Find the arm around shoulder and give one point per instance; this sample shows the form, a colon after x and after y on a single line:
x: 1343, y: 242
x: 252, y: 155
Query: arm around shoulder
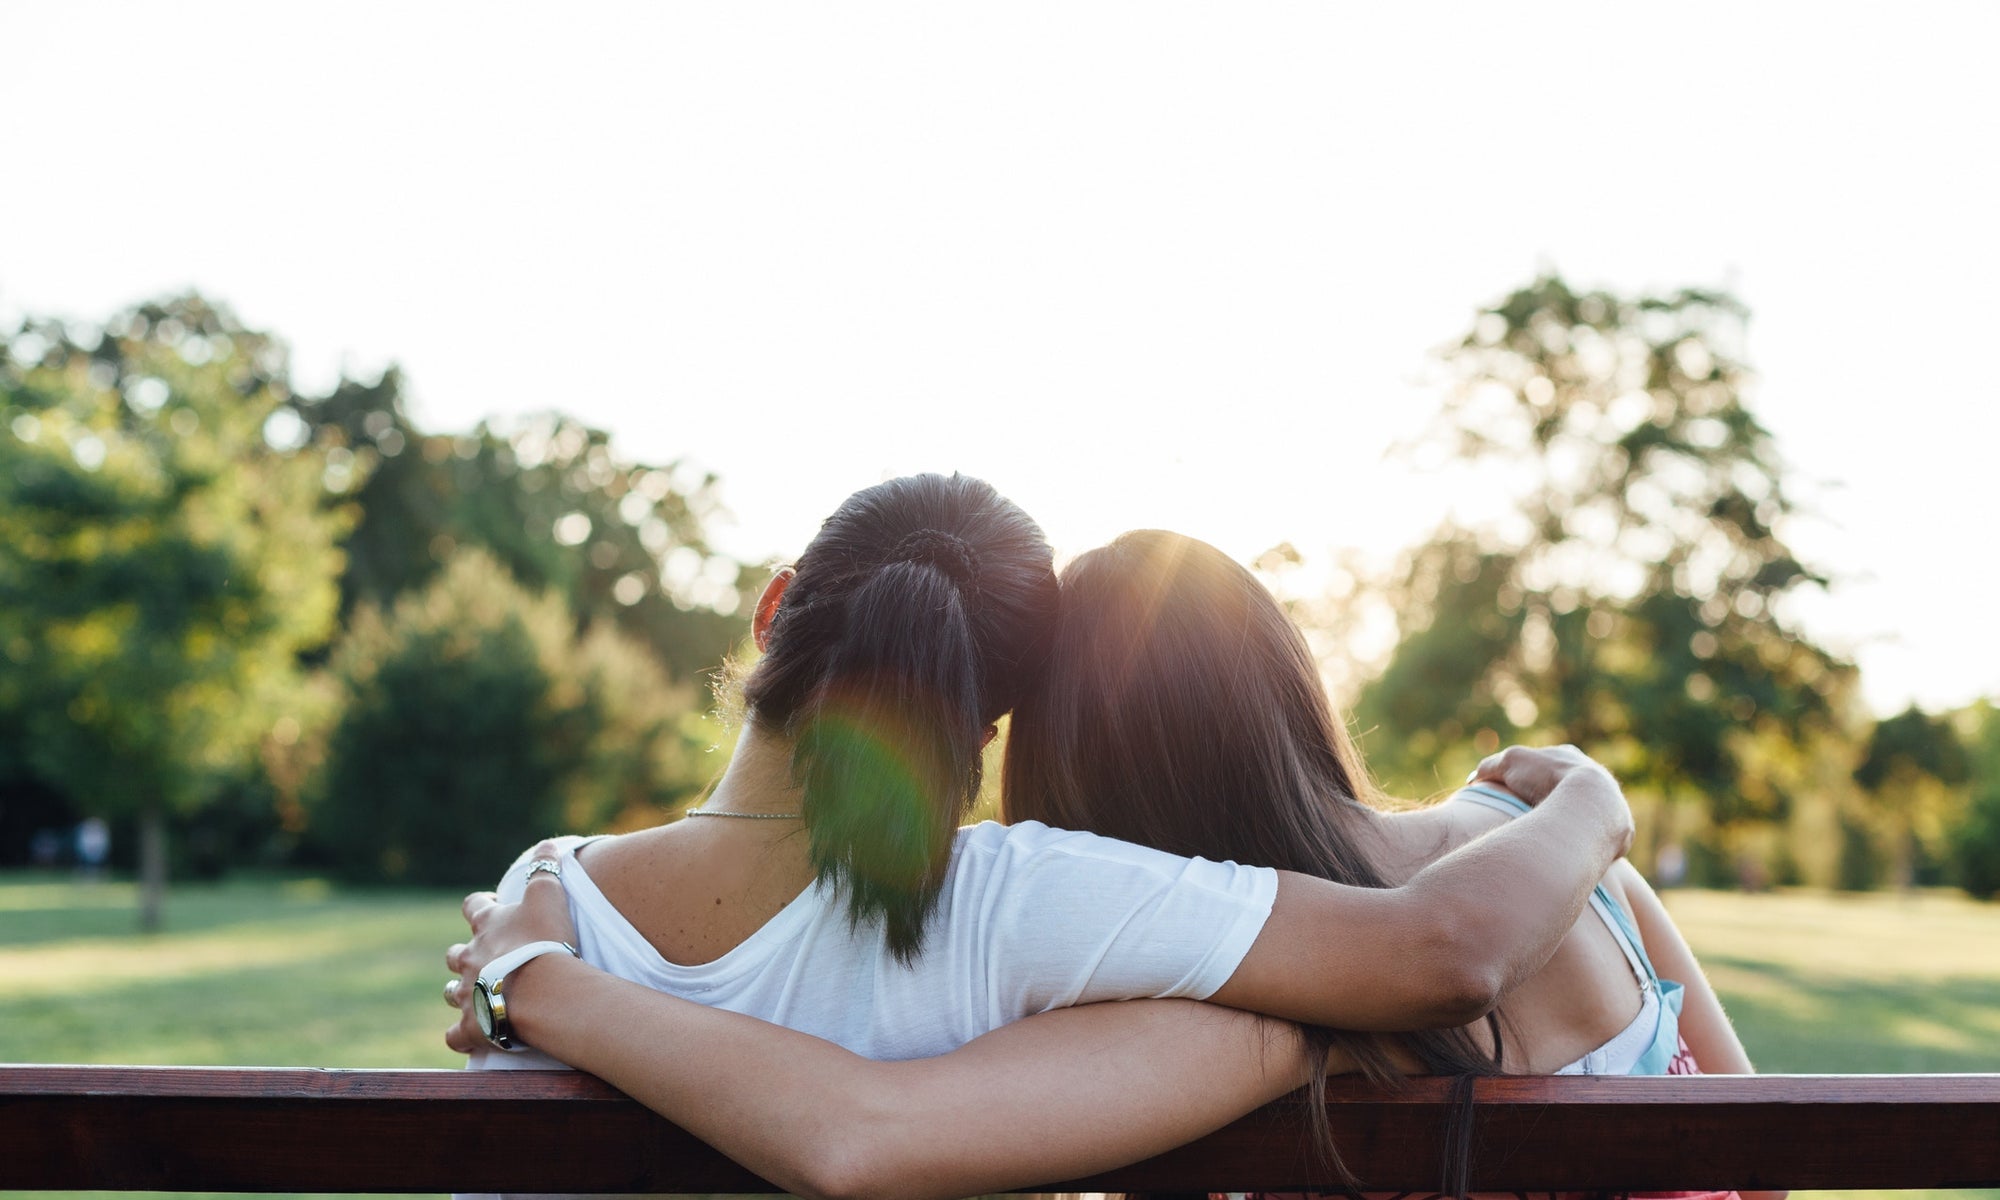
x: 1443, y: 948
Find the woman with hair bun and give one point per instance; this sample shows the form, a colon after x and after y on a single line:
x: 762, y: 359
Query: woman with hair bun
x: 824, y: 885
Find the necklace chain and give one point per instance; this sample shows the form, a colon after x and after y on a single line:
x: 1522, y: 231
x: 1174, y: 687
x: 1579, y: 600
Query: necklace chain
x: 744, y: 816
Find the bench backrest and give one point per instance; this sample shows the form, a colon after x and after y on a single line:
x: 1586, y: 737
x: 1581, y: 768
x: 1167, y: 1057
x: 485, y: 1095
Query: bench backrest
x: 269, y: 1129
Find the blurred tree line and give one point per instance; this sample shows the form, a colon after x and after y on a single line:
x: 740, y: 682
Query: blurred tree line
x: 1629, y: 595
x: 253, y: 627
x: 297, y: 629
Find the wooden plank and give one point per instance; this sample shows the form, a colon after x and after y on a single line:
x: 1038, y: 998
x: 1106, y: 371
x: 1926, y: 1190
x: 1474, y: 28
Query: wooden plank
x: 235, y: 1129
x: 1623, y: 1133
x: 252, y: 1129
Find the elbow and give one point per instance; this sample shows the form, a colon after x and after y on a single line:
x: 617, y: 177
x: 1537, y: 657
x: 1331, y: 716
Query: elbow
x: 1467, y: 977
x: 1456, y: 994
x: 1470, y: 993
x: 832, y: 1175
x: 851, y: 1164
x: 844, y: 1174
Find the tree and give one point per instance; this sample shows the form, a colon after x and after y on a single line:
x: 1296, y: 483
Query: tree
x: 620, y: 541
x: 1912, y: 769
x: 1631, y: 599
x: 1975, y: 836
x: 162, y: 564
x: 474, y: 720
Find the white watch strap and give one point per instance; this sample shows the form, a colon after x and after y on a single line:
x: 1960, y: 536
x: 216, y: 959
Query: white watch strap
x: 498, y: 970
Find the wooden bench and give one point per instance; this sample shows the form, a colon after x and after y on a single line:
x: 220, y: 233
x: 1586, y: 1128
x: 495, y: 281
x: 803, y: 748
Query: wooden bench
x: 269, y: 1129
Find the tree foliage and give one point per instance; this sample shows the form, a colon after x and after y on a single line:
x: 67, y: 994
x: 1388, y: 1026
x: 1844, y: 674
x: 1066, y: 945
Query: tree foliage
x: 1974, y: 836
x: 618, y: 540
x: 1631, y: 597
x: 1911, y: 745
x: 172, y: 521
x: 162, y: 564
x: 1911, y: 774
x: 474, y: 720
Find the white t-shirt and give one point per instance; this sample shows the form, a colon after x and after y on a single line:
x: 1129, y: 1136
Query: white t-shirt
x: 1030, y: 918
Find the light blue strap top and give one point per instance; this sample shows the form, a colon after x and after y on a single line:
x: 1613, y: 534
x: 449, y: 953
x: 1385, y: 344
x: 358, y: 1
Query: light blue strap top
x: 1658, y: 1045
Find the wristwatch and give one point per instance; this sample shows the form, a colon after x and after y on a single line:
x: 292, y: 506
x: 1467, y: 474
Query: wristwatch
x: 489, y: 1006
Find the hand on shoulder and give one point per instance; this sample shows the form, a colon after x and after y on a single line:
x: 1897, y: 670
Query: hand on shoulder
x: 540, y: 914
x: 1534, y: 775
x: 1530, y: 773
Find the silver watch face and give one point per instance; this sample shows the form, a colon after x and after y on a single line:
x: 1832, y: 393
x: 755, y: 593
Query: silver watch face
x: 482, y: 1008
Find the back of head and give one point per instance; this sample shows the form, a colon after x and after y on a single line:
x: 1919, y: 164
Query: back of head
x: 1184, y: 711
x: 917, y: 617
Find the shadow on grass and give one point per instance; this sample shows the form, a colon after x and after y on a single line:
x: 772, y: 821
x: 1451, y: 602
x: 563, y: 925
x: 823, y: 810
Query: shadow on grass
x: 1799, y: 1021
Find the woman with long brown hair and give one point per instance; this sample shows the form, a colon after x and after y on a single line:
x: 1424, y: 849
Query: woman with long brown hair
x: 1186, y: 713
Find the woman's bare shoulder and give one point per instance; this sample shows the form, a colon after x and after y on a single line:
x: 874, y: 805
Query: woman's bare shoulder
x: 1414, y: 837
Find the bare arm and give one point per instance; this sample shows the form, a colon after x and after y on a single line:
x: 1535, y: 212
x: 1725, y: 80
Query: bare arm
x: 1706, y: 1027
x: 1054, y: 1096
x: 1442, y: 949
x: 1717, y: 1049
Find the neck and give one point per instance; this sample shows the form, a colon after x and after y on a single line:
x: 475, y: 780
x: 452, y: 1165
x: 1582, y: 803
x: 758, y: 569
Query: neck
x: 759, y: 776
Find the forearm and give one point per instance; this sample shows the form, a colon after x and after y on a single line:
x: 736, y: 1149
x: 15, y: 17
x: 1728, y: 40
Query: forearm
x: 1440, y: 950
x: 1506, y: 901
x: 1056, y: 1096
x: 751, y: 1089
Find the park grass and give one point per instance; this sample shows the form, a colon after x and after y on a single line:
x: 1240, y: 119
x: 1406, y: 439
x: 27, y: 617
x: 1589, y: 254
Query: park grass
x: 293, y: 972
x: 275, y: 973
x: 1820, y: 983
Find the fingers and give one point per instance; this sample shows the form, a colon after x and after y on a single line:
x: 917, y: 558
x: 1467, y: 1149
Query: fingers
x: 1516, y: 758
x: 1529, y: 773
x: 476, y: 906
x: 1493, y: 766
x: 480, y: 909
x: 545, y: 863
x: 463, y: 1039
x: 498, y: 927
x: 463, y: 1034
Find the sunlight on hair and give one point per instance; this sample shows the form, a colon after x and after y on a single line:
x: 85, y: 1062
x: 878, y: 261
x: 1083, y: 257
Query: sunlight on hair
x: 1162, y: 558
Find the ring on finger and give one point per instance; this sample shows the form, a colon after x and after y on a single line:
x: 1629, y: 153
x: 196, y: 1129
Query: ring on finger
x: 545, y: 866
x: 451, y: 990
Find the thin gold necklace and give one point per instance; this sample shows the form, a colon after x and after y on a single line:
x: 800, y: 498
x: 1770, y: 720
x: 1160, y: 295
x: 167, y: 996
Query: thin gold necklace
x: 743, y: 816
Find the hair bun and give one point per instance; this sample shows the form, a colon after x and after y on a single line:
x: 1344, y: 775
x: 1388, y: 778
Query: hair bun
x: 945, y: 551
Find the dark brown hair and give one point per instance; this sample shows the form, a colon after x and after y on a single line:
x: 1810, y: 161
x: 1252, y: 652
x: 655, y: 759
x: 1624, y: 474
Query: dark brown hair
x: 1183, y: 710
x: 917, y: 617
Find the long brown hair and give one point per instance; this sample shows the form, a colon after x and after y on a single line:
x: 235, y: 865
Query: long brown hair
x: 1181, y: 709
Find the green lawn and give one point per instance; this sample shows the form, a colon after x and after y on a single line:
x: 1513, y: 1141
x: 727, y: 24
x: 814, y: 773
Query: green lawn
x: 1821, y: 983
x: 294, y: 973
x: 274, y: 973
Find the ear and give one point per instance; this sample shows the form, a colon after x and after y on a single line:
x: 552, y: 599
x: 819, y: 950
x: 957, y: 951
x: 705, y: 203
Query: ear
x: 992, y: 731
x: 767, y: 607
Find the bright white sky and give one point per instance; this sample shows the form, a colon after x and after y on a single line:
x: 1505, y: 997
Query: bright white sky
x: 1137, y: 264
